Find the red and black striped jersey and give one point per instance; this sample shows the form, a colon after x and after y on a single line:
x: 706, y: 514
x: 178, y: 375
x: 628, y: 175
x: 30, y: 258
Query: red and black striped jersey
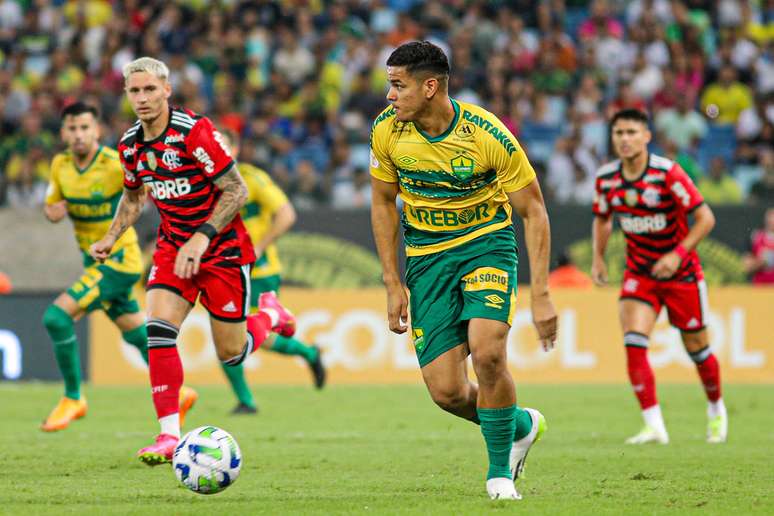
x: 652, y: 212
x: 180, y: 168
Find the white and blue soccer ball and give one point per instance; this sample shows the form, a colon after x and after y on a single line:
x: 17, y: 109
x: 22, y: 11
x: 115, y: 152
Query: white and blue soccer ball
x: 207, y: 460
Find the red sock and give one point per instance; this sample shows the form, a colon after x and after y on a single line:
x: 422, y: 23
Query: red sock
x: 166, y: 375
x: 259, y: 326
x: 709, y: 372
x: 641, y: 376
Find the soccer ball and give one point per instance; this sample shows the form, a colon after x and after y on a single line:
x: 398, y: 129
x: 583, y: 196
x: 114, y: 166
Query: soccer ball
x: 207, y: 460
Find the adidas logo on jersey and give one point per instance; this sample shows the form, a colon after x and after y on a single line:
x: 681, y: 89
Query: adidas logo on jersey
x: 229, y: 307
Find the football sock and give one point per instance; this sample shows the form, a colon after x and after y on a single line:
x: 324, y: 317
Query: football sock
x: 716, y: 408
x: 138, y: 337
x: 523, y: 424
x: 259, y: 327
x: 170, y: 425
x: 709, y: 372
x: 498, y: 425
x: 291, y: 346
x: 166, y: 373
x: 59, y: 326
x: 236, y: 377
x: 640, y: 374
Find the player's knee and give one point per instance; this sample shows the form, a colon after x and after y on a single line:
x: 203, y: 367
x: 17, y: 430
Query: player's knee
x: 55, y: 319
x: 449, y: 397
x: 489, y: 362
x: 228, y: 350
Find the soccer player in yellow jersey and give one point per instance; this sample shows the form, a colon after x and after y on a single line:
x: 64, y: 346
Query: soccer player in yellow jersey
x: 267, y: 215
x: 460, y: 173
x: 86, y: 184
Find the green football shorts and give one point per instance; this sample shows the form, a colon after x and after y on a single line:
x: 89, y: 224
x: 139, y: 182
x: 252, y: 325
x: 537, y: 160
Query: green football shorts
x: 476, y: 279
x: 260, y: 285
x: 103, y: 288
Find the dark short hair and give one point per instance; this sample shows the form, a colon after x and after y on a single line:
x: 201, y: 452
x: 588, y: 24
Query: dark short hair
x: 79, y: 108
x: 630, y: 114
x: 420, y: 56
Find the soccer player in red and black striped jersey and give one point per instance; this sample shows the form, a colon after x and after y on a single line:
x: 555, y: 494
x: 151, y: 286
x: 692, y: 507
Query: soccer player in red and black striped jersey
x: 202, y: 247
x: 653, y: 198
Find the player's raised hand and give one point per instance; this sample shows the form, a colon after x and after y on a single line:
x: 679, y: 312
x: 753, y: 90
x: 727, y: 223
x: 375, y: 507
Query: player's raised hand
x: 544, y: 319
x: 599, y: 272
x: 397, y: 308
x: 667, y: 265
x: 100, y: 250
x: 189, y: 256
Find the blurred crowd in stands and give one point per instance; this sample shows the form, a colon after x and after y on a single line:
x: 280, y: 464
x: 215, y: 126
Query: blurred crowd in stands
x: 301, y: 81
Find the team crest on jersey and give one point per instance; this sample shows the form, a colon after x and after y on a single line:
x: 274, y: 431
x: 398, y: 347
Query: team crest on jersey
x: 151, y: 159
x: 631, y: 198
x: 651, y: 197
x: 462, y: 166
x: 465, y: 130
x: 97, y: 190
x: 171, y: 159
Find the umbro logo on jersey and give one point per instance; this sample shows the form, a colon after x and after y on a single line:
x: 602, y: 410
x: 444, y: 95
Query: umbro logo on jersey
x: 174, y: 138
x: 229, y: 307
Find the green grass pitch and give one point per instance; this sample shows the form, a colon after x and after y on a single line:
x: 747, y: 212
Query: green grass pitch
x: 388, y: 450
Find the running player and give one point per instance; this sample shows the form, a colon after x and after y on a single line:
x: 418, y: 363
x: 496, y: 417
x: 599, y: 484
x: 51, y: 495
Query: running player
x: 267, y: 215
x: 85, y: 184
x: 202, y: 246
x: 653, y: 197
x: 460, y: 173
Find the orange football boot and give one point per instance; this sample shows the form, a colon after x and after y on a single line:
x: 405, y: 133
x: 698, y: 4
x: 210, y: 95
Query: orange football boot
x: 66, y: 411
x: 188, y: 398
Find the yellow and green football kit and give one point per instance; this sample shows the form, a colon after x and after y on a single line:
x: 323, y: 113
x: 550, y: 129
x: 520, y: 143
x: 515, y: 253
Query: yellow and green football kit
x: 460, y: 246
x: 264, y: 198
x: 92, y: 196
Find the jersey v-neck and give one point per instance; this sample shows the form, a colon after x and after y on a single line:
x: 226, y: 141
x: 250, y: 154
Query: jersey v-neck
x: 448, y: 130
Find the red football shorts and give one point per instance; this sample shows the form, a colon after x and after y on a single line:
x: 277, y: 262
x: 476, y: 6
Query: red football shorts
x: 225, y: 291
x: 685, y: 301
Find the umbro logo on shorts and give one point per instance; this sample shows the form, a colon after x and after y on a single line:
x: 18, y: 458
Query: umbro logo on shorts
x: 229, y: 307
x: 495, y: 301
x: 693, y: 323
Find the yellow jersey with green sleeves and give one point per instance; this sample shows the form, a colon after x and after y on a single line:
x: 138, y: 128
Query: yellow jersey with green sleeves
x: 92, y: 196
x: 453, y: 186
x: 264, y: 198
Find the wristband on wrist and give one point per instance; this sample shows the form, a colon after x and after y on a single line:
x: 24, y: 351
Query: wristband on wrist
x: 208, y: 230
x: 680, y: 251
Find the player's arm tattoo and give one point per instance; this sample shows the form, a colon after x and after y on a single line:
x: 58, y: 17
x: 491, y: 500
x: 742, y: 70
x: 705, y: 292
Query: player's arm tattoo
x: 233, y: 196
x: 128, y: 211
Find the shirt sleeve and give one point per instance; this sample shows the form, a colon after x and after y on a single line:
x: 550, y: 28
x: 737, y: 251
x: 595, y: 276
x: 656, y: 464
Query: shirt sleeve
x: 54, y: 190
x: 208, y: 148
x: 509, y: 161
x: 382, y: 167
x: 273, y: 197
x: 128, y: 159
x: 683, y: 189
x: 600, y: 206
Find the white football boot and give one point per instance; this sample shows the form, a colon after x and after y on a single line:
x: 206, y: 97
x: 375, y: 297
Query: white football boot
x: 649, y: 435
x: 521, y: 447
x: 501, y: 488
x: 717, y: 429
